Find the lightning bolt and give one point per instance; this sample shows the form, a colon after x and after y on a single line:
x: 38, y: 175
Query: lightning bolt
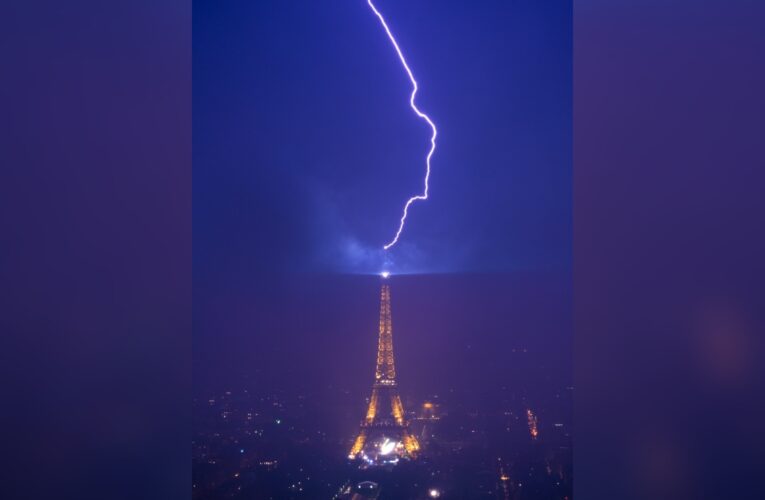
x: 424, y: 195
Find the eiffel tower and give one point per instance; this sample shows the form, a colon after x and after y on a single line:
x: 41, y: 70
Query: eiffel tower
x: 384, y: 437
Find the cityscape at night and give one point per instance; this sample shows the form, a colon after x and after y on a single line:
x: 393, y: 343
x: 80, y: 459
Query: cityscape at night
x: 382, y: 251
x: 508, y: 438
x: 272, y: 446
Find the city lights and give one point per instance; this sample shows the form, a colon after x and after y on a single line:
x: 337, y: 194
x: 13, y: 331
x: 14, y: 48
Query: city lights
x: 387, y: 446
x: 532, y: 421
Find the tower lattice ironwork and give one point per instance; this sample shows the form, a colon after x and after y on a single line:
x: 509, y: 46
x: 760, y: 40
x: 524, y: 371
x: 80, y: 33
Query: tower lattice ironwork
x: 384, y: 436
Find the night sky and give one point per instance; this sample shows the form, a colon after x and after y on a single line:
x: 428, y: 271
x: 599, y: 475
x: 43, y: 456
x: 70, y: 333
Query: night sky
x: 305, y: 150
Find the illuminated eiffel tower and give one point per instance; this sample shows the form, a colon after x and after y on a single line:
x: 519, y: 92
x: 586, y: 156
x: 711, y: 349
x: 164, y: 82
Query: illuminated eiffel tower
x: 384, y: 437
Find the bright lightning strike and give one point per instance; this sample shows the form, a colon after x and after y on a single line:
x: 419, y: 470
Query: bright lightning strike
x: 424, y: 195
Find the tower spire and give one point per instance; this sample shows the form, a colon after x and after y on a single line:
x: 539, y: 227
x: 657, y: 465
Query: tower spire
x: 386, y: 367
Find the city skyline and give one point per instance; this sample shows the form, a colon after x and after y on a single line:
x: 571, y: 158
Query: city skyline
x: 196, y: 196
x: 305, y: 148
x: 500, y: 425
